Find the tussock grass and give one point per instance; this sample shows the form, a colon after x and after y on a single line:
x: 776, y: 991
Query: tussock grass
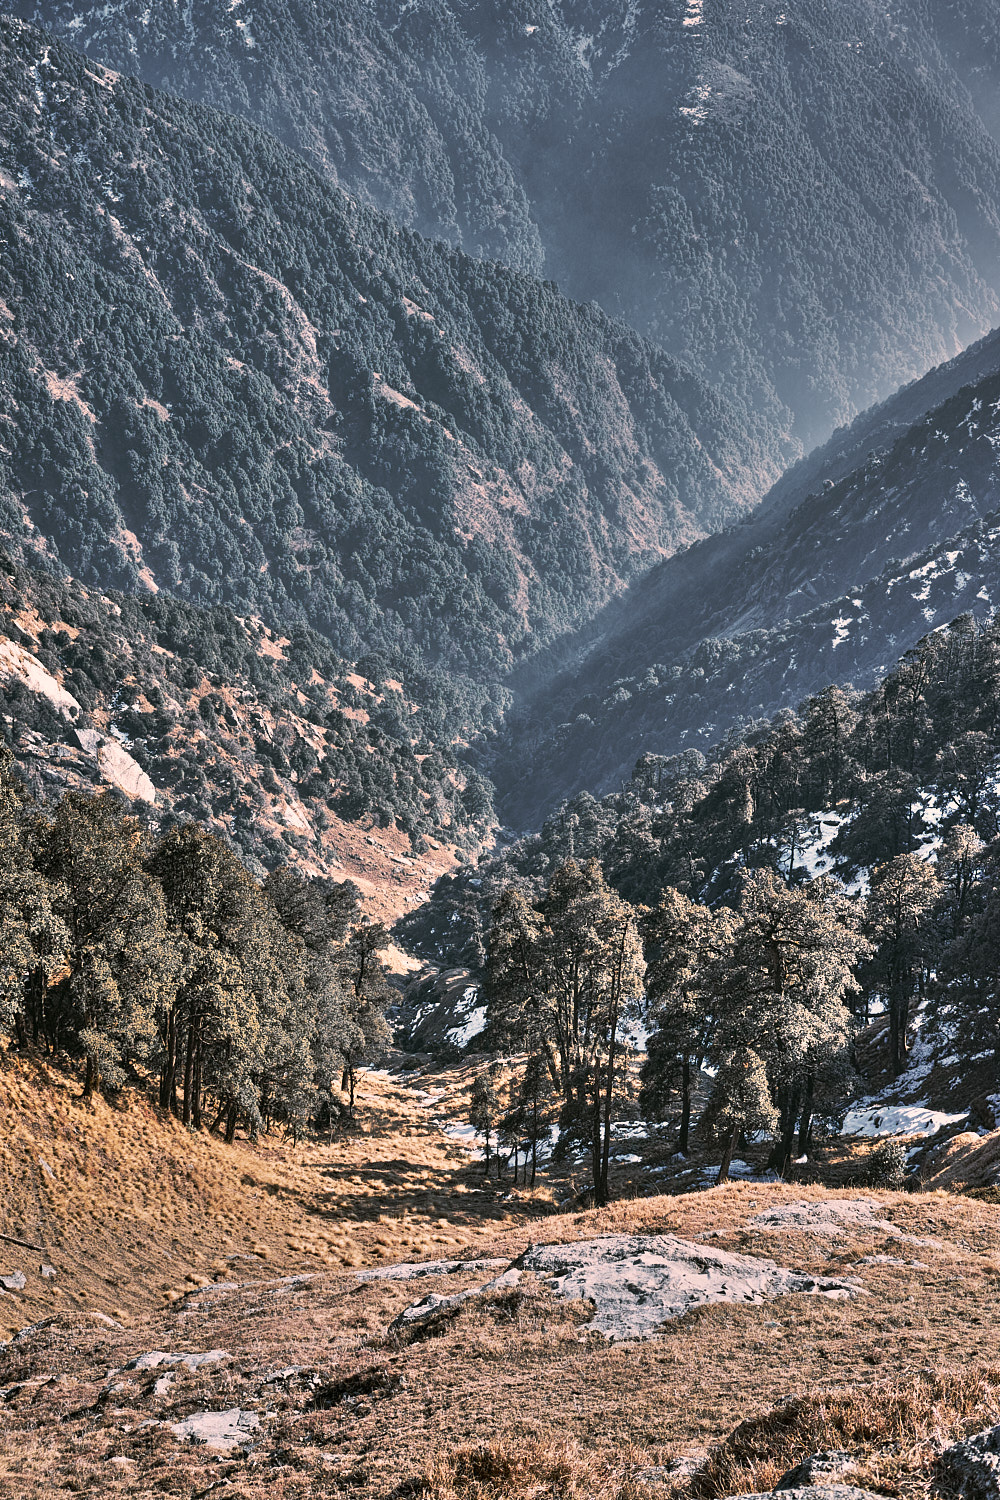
x: 515, y: 1468
x: 896, y: 1428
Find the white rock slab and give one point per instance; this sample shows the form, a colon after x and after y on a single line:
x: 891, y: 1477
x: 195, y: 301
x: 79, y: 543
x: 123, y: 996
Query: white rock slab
x: 833, y: 1217
x: 18, y: 665
x: 412, y: 1270
x: 156, y: 1359
x: 638, y: 1282
x: 116, y: 765
x: 224, y: 1430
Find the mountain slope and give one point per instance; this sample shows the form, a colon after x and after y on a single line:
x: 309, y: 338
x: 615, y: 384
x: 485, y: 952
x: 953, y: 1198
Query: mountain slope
x: 834, y: 576
x: 801, y: 204
x: 224, y: 378
x: 276, y: 744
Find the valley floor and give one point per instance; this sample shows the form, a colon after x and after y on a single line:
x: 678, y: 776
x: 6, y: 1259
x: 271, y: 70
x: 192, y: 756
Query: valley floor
x: 252, y: 1255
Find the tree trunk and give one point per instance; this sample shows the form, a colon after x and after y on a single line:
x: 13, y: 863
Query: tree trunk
x: 188, y: 1073
x: 686, y: 1090
x: 727, y: 1157
x: 231, y: 1118
x: 534, y: 1137
x: 196, y: 1103
x: 90, y: 1079
x: 805, y: 1124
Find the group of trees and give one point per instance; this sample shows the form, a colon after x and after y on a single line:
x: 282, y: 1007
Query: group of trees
x: 762, y: 995
x: 141, y: 957
x: 836, y: 867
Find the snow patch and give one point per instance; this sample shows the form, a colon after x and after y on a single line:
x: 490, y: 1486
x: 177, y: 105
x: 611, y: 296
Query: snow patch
x: 898, y: 1119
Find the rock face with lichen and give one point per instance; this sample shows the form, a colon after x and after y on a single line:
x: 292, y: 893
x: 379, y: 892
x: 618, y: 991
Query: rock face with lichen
x: 971, y: 1468
x: 638, y: 1282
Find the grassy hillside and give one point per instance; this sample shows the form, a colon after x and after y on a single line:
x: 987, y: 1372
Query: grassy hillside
x: 501, y: 1395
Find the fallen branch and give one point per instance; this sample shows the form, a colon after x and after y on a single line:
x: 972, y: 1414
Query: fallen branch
x: 25, y: 1244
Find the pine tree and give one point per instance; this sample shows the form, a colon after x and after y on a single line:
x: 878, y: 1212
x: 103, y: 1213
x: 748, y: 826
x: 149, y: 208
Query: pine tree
x: 678, y: 939
x: 780, y: 991
x: 485, y: 1107
x: 740, y: 1104
x: 902, y: 893
x: 121, y: 959
x: 574, y: 966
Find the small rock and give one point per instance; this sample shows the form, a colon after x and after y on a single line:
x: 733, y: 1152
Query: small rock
x: 157, y: 1357
x: 162, y: 1386
x: 225, y: 1430
x: 813, y: 1492
x: 47, y: 1272
x: 972, y: 1467
x: 14, y: 1281
x: 121, y: 1461
x: 818, y: 1467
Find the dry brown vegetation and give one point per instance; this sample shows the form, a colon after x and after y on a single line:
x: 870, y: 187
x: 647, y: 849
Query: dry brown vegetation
x: 507, y: 1397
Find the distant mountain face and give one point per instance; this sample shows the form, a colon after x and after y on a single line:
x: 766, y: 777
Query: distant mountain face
x: 889, y: 532
x: 281, y: 748
x: 223, y: 378
x: 800, y: 202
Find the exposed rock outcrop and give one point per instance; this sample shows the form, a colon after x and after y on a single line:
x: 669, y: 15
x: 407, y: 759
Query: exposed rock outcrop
x: 972, y: 1467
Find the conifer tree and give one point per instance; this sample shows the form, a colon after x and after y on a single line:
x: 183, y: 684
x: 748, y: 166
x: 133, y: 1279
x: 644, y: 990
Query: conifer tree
x: 121, y: 959
x: 902, y: 894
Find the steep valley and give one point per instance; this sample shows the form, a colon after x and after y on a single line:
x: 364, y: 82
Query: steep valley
x: 499, y: 832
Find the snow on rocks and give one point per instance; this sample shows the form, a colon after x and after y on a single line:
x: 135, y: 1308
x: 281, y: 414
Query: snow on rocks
x: 833, y: 1216
x: 224, y: 1430
x: 898, y: 1119
x: 638, y: 1282
x: 470, y: 1018
x: 157, y: 1358
x: 972, y: 1468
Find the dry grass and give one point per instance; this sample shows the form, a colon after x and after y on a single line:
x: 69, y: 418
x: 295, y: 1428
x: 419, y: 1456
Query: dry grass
x: 896, y: 1428
x: 508, y: 1397
x: 133, y: 1209
x: 507, y: 1469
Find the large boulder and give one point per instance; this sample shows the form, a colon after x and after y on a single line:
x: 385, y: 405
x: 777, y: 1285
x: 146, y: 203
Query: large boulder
x: 972, y: 1467
x: 637, y: 1282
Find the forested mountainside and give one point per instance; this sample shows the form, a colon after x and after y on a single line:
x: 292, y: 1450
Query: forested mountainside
x: 892, y: 528
x: 800, y: 202
x: 224, y: 379
x: 840, y: 788
x: 272, y: 742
